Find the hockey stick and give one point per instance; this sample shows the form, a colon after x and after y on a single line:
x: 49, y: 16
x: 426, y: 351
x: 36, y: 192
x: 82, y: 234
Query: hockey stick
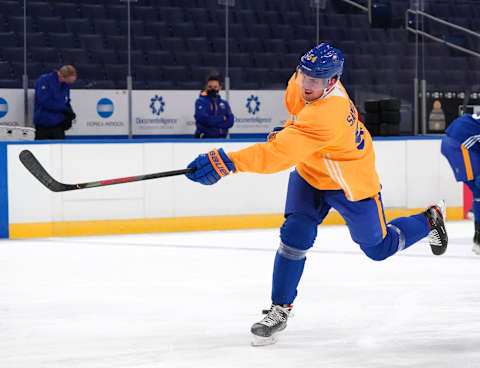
x: 38, y: 171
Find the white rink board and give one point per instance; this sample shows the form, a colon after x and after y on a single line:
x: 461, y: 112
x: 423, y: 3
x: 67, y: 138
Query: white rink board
x: 410, y: 179
x: 12, y: 106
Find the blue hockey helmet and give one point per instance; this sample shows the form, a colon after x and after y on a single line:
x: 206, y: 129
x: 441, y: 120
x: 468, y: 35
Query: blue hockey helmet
x: 323, y: 61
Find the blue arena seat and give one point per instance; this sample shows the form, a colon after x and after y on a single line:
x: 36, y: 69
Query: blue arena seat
x: 144, y: 13
x: 184, y: 30
x: 90, y: 71
x: 137, y: 27
x: 358, y: 20
x: 148, y: 72
x: 91, y: 41
x: 218, y: 45
x: 74, y: 56
x: 161, y: 84
x: 213, y: 58
x: 38, y: 39
x: 359, y: 34
x: 364, y: 61
x: 268, y: 59
x: 251, y: 45
x: 190, y: 85
x: 144, y: 43
x: 44, y: 54
x: 172, y: 43
x: 137, y: 57
x: 197, y: 15
x: 34, y: 69
x: 171, y: 15
x: 117, y: 12
x: 383, y: 76
x: 192, y: 58
x: 361, y: 77
x: 12, y: 54
x: 5, y: 71
x: 284, y: 31
x: 66, y: 9
x: 92, y: 11
x: 392, y: 62
x: 104, y: 56
x: 290, y: 60
x: 279, y: 76
x: 160, y: 57
x: 40, y: 9
x: 237, y: 31
x: 157, y: 29
x: 236, y: 76
x: 200, y: 73
x: 210, y: 30
x: 175, y: 73
x: 106, y: 27
x: 116, y: 72
x: 16, y: 24
x: 298, y: 46
x: 188, y: 34
x: 257, y: 30
x: 62, y: 40
x: 241, y: 59
x: 198, y: 44
x: 78, y: 26
x: 11, y: 83
x: 281, y: 47
x: 102, y: 84
x: 9, y: 39
x: 271, y: 17
x: 12, y: 8
x: 51, y: 24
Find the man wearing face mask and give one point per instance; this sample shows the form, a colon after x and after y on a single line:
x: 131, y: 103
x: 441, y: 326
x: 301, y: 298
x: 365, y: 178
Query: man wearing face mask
x: 213, y: 116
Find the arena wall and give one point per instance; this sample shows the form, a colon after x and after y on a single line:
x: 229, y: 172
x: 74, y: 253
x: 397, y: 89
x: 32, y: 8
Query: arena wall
x: 412, y: 171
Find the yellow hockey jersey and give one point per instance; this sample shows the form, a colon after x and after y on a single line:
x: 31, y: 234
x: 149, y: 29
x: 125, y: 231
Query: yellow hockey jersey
x: 326, y: 141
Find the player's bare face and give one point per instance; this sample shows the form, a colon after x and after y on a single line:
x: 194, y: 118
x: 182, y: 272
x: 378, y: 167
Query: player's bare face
x: 312, y: 88
x: 311, y: 94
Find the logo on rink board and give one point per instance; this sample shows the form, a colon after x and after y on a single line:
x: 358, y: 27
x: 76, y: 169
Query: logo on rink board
x: 253, y: 104
x: 3, y: 107
x: 157, y: 105
x: 105, y: 108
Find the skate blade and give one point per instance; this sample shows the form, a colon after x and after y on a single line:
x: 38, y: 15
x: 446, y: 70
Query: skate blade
x: 476, y: 249
x: 263, y: 341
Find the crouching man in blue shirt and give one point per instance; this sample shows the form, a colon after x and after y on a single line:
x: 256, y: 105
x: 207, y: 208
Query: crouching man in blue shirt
x: 53, y: 113
x: 213, y: 116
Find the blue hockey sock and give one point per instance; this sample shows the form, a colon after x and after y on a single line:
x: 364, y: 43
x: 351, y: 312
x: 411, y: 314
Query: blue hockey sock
x: 413, y: 228
x: 286, y: 276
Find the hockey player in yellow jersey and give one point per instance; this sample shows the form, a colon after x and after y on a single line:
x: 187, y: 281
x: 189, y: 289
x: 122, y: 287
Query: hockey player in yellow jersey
x: 334, y: 161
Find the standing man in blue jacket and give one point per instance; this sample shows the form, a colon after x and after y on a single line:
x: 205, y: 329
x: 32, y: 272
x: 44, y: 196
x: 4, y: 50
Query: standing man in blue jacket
x: 213, y: 116
x: 53, y: 113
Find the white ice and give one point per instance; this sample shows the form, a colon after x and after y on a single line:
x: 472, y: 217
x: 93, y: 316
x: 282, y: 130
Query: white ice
x: 189, y: 299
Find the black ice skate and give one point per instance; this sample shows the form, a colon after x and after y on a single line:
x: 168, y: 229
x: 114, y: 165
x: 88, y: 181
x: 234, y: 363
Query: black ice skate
x: 476, y: 239
x: 436, y: 216
x: 275, y: 321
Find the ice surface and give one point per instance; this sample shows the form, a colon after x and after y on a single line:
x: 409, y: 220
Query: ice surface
x: 189, y: 299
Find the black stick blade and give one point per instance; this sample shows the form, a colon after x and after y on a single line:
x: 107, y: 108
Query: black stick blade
x: 38, y: 171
